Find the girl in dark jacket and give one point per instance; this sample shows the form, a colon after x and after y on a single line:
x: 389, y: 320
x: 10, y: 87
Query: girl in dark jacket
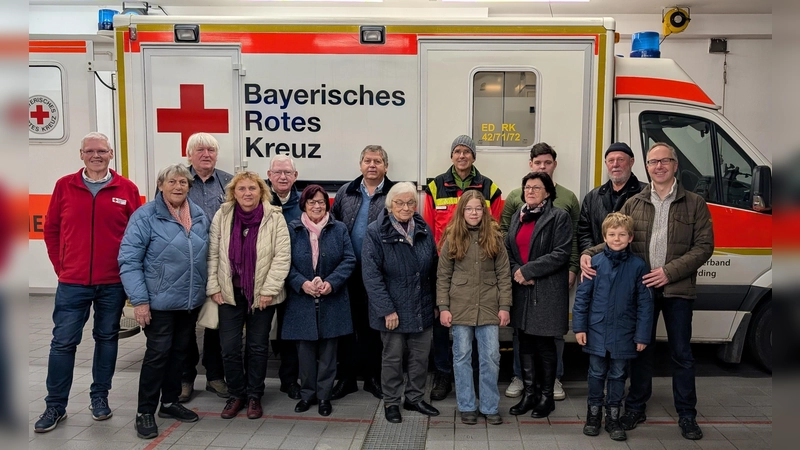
x: 318, y: 308
x: 399, y: 268
x: 539, y: 243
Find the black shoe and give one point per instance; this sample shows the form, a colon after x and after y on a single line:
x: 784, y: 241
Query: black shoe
x: 325, y: 408
x: 441, y: 386
x: 526, y: 403
x: 146, y: 427
x: 373, y: 386
x: 292, y: 390
x: 594, y: 417
x: 343, y: 388
x: 49, y: 420
x: 421, y: 407
x: 178, y: 412
x: 469, y: 418
x: 690, y: 429
x: 392, y: 414
x: 303, y: 406
x: 544, y: 407
x: 613, y: 427
x: 630, y: 419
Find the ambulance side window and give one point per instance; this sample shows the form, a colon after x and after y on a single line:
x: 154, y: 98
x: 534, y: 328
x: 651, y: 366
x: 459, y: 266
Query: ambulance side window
x: 692, y: 139
x: 504, y: 109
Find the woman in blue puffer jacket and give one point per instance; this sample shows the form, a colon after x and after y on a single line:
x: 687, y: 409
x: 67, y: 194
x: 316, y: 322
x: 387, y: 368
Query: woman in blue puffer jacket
x: 163, y: 267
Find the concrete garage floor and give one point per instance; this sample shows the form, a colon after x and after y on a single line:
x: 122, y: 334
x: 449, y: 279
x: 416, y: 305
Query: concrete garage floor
x: 735, y: 407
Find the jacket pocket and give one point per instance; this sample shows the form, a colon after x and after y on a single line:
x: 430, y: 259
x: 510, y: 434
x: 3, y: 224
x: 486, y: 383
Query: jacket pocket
x: 161, y: 275
x: 459, y: 287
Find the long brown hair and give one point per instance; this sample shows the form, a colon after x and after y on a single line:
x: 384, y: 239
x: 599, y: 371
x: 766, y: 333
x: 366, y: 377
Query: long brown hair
x: 457, y: 231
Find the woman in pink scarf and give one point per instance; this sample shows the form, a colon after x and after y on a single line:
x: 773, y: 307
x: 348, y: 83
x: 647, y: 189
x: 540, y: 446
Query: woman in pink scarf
x: 318, y: 307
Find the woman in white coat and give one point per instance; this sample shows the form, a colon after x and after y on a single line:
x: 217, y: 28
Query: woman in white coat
x: 248, y: 261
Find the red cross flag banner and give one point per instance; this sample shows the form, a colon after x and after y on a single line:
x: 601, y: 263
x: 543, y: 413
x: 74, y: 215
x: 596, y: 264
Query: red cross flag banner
x: 45, y: 104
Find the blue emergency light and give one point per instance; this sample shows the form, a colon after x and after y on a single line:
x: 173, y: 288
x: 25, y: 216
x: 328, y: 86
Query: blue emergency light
x: 645, y: 44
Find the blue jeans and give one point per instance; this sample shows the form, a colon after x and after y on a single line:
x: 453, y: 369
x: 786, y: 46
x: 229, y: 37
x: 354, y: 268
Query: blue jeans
x: 678, y: 320
x: 72, y: 307
x: 489, y: 358
x: 602, y: 370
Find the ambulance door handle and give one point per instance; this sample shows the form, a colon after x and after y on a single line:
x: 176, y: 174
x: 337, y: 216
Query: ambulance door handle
x: 241, y: 69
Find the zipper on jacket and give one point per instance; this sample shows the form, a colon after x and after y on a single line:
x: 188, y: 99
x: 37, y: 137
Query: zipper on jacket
x: 191, y: 264
x: 91, y: 244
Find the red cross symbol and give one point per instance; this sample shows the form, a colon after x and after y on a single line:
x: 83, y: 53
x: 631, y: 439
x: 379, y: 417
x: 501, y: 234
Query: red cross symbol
x: 40, y: 114
x: 192, y: 117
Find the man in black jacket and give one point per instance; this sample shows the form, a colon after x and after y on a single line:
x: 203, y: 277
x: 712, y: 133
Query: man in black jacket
x: 357, y: 204
x: 610, y: 197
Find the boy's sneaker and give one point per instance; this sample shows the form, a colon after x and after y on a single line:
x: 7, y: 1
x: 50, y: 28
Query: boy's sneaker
x: 558, y: 391
x: 515, y: 388
x: 100, y: 409
x: 48, y: 421
x: 178, y: 412
x: 690, y: 429
x: 146, y: 427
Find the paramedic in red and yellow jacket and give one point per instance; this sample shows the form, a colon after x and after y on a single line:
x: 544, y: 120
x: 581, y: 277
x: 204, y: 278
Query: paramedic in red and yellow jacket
x: 86, y: 219
x: 443, y: 194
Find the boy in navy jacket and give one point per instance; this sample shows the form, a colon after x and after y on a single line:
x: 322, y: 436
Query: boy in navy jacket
x: 612, y: 319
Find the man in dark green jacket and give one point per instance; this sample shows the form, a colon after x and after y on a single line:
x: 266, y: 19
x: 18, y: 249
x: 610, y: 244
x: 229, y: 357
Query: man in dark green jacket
x: 673, y: 233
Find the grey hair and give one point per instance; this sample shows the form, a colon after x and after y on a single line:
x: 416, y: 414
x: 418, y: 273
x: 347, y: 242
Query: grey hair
x: 201, y: 140
x: 664, y: 144
x: 281, y: 158
x: 403, y: 187
x: 375, y: 149
x: 170, y: 171
x: 96, y: 135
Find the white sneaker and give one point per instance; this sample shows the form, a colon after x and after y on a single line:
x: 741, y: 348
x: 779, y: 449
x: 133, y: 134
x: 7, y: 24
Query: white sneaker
x: 558, y: 391
x: 515, y: 388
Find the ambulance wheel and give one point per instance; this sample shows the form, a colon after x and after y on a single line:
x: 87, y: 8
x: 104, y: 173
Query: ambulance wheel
x: 759, y: 339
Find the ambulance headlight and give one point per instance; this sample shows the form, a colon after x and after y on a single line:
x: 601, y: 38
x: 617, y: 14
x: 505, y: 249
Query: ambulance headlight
x: 373, y: 35
x: 187, y: 33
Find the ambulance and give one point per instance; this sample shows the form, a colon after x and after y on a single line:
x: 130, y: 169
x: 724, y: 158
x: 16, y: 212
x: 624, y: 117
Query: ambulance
x: 320, y: 90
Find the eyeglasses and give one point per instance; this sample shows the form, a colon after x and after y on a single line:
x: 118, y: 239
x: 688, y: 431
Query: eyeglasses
x: 470, y: 210
x: 369, y: 162
x: 462, y: 152
x: 400, y: 205
x: 286, y: 173
x: 662, y: 161
x: 533, y: 188
x: 617, y: 161
x: 315, y: 202
x: 96, y: 152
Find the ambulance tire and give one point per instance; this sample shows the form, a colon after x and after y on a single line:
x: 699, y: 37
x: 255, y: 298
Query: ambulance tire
x: 759, y: 339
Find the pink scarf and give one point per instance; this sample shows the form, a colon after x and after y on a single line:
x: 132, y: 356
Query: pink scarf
x: 314, y: 230
x: 181, y: 214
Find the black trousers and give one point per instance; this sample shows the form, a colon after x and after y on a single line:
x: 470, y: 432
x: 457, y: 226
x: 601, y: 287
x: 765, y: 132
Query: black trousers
x: 245, y: 377
x: 289, y: 370
x: 212, y: 357
x: 169, y: 337
x: 359, y: 353
x: 317, y: 368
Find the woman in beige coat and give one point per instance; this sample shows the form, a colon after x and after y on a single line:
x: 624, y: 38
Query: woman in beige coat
x: 248, y: 260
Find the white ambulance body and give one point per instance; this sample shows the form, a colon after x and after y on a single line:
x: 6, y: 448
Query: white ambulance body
x: 313, y: 90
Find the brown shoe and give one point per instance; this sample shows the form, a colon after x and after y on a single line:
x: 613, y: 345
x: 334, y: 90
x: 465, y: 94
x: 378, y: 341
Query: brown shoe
x: 254, y: 410
x: 187, y: 389
x: 232, y: 408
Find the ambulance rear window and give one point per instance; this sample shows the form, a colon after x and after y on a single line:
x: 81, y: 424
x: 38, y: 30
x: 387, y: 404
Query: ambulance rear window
x: 504, y: 109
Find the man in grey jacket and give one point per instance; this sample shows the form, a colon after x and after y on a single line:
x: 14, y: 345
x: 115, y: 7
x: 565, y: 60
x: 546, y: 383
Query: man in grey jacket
x: 208, y: 192
x: 357, y: 204
x: 673, y: 233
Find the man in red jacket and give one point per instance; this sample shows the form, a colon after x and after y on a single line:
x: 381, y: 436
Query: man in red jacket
x: 87, y: 216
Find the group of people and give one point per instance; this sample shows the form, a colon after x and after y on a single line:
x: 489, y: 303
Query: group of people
x: 367, y: 286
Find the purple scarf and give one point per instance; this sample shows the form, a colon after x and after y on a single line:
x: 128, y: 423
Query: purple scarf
x: 242, y: 251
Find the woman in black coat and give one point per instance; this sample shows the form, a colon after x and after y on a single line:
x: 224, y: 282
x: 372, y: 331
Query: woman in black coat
x: 539, y: 243
x: 317, y: 307
x: 399, y: 264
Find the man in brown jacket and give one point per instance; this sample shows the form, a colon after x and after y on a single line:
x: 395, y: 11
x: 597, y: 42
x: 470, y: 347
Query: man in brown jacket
x: 674, y: 234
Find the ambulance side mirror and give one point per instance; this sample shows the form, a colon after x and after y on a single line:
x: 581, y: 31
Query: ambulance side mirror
x: 761, y: 192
